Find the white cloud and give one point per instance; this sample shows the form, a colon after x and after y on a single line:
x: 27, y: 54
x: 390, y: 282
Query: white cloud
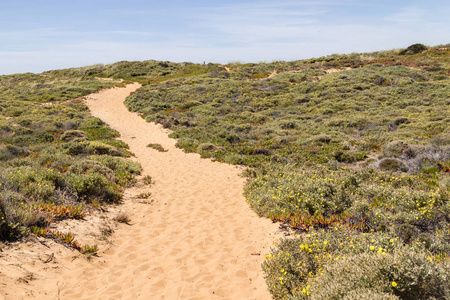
x: 407, y: 16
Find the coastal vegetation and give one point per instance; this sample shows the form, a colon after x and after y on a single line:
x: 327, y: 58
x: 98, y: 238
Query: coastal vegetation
x: 56, y: 160
x: 350, y: 152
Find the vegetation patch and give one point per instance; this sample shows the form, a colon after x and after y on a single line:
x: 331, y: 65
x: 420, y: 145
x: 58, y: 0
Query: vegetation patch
x: 353, y: 144
x: 67, y: 239
x: 55, y: 159
x: 351, y: 151
x: 339, y: 263
x: 157, y: 147
x: 122, y: 218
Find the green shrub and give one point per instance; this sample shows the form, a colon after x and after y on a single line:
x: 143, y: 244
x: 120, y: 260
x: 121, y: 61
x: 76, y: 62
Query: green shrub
x: 207, y: 149
x: 10, y: 151
x: 392, y: 165
x: 345, y: 156
x: 91, y: 166
x: 397, y: 149
x: 93, y: 186
x: 414, y: 49
x: 70, y: 135
x: 338, y: 263
x: 188, y: 144
x: 8, y: 230
x: 157, y: 147
x: 80, y: 147
x: 33, y: 139
x: 321, y: 138
x: 441, y: 140
x: 125, y: 170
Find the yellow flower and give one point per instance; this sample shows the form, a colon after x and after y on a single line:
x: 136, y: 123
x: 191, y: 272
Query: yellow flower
x: 372, y: 247
x: 325, y: 242
x: 394, y: 284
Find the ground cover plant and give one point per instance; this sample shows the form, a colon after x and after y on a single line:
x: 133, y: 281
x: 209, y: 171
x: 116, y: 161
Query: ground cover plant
x: 55, y: 159
x: 157, y: 147
x: 351, y: 151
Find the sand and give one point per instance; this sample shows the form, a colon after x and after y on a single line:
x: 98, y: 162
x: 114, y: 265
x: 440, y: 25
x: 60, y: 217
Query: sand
x: 195, y: 237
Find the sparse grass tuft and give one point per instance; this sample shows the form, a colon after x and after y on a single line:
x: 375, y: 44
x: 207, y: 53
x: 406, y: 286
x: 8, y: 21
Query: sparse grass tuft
x: 144, y: 195
x: 122, y: 217
x: 147, y: 180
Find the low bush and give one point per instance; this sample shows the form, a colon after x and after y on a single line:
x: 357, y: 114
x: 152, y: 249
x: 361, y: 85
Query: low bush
x: 10, y: 151
x: 337, y: 263
x: 207, y: 149
x: 94, y: 186
x: 157, y: 147
x: 414, y: 49
x: 80, y: 147
x: 70, y: 135
x: 393, y: 165
x: 85, y: 166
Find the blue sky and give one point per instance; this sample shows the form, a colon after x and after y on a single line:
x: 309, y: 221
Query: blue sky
x: 39, y: 35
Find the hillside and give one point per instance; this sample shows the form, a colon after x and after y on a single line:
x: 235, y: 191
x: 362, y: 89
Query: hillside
x: 55, y: 159
x: 353, y: 149
x: 351, y: 152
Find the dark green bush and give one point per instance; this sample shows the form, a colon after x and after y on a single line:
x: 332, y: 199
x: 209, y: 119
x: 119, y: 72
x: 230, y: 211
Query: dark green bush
x: 70, y: 135
x: 207, y: 149
x: 397, y: 149
x: 392, y: 165
x: 10, y: 151
x: 414, y: 49
x: 344, y: 156
x: 80, y: 147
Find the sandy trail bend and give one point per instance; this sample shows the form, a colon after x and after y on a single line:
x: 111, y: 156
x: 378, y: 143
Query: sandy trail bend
x: 198, y: 239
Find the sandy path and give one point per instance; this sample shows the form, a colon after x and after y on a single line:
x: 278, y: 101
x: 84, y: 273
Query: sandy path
x: 198, y: 239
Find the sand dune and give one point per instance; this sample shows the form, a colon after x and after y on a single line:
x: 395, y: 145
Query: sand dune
x: 194, y: 238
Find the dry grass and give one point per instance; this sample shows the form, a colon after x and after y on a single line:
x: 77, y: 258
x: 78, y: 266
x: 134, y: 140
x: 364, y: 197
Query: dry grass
x: 122, y: 217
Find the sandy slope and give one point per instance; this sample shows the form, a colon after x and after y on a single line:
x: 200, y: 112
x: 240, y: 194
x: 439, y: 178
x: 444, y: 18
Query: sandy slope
x: 196, y: 237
